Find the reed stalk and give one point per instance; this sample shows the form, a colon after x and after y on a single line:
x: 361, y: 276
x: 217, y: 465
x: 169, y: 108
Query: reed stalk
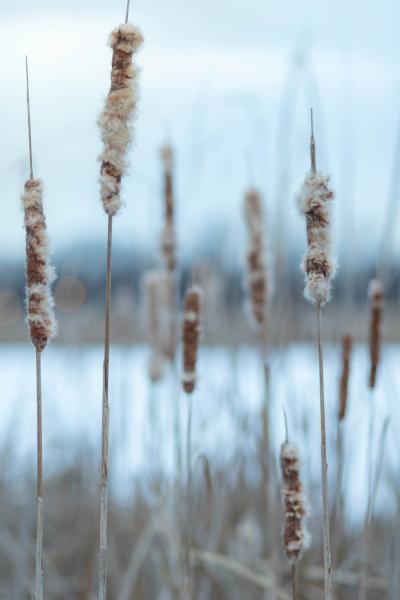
x: 319, y: 267
x: 42, y: 326
x: 116, y: 132
x: 191, y: 334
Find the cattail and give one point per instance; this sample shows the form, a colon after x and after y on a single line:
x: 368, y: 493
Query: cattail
x: 115, y: 121
x: 376, y: 299
x: 314, y: 201
x: 347, y: 345
x: 296, y: 537
x: 154, y: 292
x: 39, y: 272
x: 191, y: 336
x: 168, y: 245
x: 257, y: 272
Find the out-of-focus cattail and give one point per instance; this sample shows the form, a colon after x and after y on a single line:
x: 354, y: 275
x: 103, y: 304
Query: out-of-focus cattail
x: 376, y: 299
x: 168, y: 244
x: 115, y: 121
x: 314, y: 201
x: 39, y: 272
x: 210, y: 282
x: 296, y: 537
x: 259, y: 284
x: 347, y: 345
x: 191, y: 336
x: 154, y: 304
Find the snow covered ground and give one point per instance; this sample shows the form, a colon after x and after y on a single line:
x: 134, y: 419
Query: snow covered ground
x: 226, y: 410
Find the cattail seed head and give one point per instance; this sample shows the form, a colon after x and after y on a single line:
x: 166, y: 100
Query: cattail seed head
x: 168, y: 244
x: 115, y: 121
x: 296, y: 537
x: 347, y: 345
x: 376, y: 299
x: 258, y: 280
x: 191, y: 336
x: 314, y: 202
x: 154, y: 290
x: 39, y: 272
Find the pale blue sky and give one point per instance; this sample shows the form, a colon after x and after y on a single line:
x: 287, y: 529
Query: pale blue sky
x: 225, y: 81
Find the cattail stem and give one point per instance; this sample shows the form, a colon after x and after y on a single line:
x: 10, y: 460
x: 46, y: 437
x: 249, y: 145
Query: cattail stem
x: 188, y: 569
x: 295, y: 582
x: 324, y: 465
x: 28, y: 104
x: 127, y: 11
x: 39, y: 533
x: 105, y: 426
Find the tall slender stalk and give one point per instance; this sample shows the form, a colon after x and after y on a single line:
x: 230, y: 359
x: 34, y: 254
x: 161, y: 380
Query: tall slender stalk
x: 324, y: 465
x: 115, y: 123
x: 314, y: 202
x: 42, y: 326
x: 188, y: 587
x: 39, y: 491
x: 105, y: 425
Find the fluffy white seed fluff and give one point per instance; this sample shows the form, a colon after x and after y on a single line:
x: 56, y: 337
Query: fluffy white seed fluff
x: 296, y: 537
x: 115, y: 121
x: 40, y: 274
x: 314, y: 202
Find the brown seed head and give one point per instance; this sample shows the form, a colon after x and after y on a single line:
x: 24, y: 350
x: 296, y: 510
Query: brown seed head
x: 347, y: 344
x: 296, y: 537
x: 376, y: 299
x: 314, y: 200
x: 258, y: 281
x: 168, y: 244
x: 115, y: 121
x: 39, y: 272
x: 191, y: 336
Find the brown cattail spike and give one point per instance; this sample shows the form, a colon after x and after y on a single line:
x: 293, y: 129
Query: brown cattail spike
x: 314, y: 201
x: 296, y: 537
x: 347, y: 344
x: 376, y: 298
x: 257, y: 272
x: 168, y: 245
x: 156, y: 284
x: 39, y: 272
x: 116, y: 118
x: 191, y: 336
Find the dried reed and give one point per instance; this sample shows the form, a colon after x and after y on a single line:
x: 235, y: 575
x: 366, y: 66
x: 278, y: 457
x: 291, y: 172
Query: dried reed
x: 40, y: 306
x: 376, y: 299
x: 191, y: 333
x: 296, y: 537
x: 191, y: 336
x: 168, y: 250
x: 347, y: 345
x: 168, y: 244
x: 154, y: 295
x: 318, y: 265
x: 115, y: 123
x: 257, y: 273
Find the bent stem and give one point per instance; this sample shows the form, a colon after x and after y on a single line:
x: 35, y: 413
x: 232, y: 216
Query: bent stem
x: 39, y: 491
x: 324, y: 466
x: 105, y: 426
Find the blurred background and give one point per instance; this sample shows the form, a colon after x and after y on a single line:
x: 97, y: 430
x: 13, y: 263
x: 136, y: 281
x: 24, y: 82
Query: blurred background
x: 229, y: 85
